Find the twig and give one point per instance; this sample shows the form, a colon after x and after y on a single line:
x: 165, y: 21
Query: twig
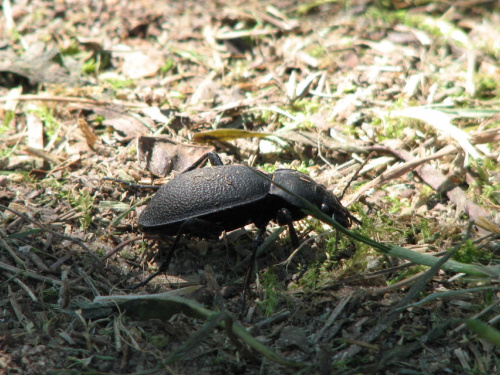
x: 11, y: 251
x: 355, y: 175
x: 397, y: 171
x: 441, y: 183
x: 399, y: 284
x: 26, y: 289
x: 88, y: 281
x: 71, y: 99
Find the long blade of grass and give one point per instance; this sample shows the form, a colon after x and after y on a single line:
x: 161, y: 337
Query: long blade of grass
x: 392, y: 250
x: 484, y: 330
x: 161, y: 307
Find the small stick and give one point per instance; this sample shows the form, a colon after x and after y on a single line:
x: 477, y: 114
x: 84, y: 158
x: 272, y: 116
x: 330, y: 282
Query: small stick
x: 134, y: 186
x: 11, y: 251
x: 355, y: 175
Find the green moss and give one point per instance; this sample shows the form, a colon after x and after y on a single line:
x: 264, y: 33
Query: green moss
x: 392, y: 128
x: 426, y: 232
x: 167, y: 66
x: 269, y: 168
x: 308, y: 6
x: 316, y: 51
x: 4, y: 128
x: 485, y: 170
x: 469, y: 253
x: 9, y: 116
x: 311, y: 278
x: 305, y: 107
x: 159, y: 341
x: 487, y: 87
x: 100, y: 252
x: 395, y: 204
x: 71, y: 50
x: 305, y: 165
x: 272, y: 292
x: 490, y: 192
x: 120, y: 83
x: 83, y: 202
x: 490, y: 164
x: 89, y: 67
x: 51, y: 124
x: 98, y: 120
x: 425, y: 191
x: 378, y: 15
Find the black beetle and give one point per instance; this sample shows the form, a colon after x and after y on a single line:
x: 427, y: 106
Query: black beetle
x: 227, y: 197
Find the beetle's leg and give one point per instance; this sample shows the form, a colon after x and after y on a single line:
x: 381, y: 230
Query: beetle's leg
x: 256, y: 243
x: 284, y: 216
x: 213, y: 157
x: 186, y: 227
x: 163, y: 267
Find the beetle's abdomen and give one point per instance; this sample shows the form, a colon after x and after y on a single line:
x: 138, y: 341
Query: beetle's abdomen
x: 213, y: 193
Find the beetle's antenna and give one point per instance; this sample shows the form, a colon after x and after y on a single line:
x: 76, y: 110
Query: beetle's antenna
x: 355, y: 175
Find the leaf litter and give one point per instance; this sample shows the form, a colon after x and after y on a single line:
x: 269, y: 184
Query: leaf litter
x: 140, y: 90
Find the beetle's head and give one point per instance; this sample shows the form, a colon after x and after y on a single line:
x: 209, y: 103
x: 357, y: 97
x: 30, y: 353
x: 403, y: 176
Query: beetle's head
x: 303, y: 186
x: 332, y: 207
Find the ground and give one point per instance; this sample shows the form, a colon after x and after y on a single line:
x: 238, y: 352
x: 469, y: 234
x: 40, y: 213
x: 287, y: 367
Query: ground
x: 392, y: 105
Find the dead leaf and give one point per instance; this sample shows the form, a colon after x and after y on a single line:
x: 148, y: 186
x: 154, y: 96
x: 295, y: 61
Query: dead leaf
x: 140, y: 65
x: 226, y: 135
x: 205, y: 92
x: 35, y: 134
x: 294, y: 336
x: 39, y: 64
x: 87, y: 132
x: 42, y: 154
x: 315, y: 139
x: 119, y: 119
x: 161, y: 155
x: 488, y: 225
